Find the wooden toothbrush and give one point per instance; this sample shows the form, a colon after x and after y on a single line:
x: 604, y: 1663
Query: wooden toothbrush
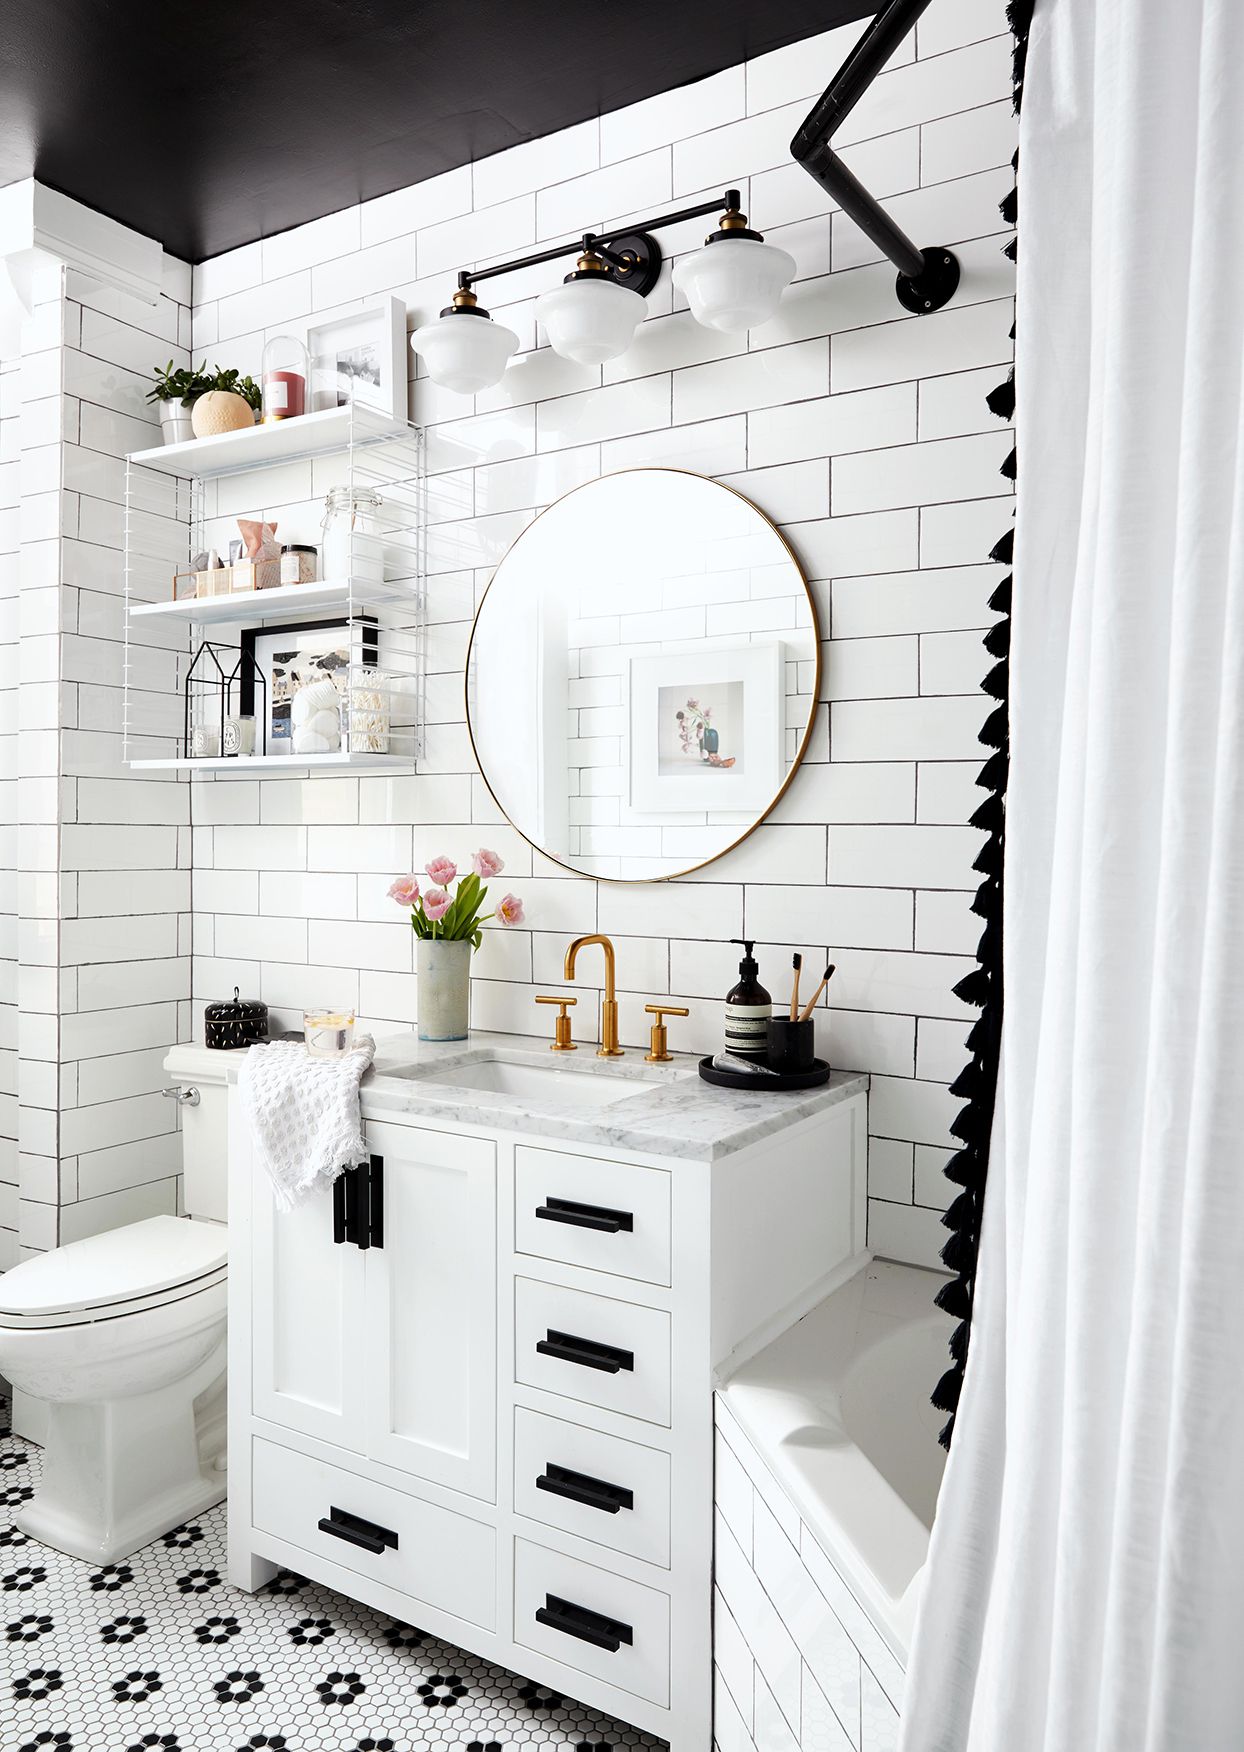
x: 796, y: 963
x: 811, y: 1003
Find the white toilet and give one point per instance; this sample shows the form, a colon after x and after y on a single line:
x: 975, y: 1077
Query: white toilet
x: 122, y: 1338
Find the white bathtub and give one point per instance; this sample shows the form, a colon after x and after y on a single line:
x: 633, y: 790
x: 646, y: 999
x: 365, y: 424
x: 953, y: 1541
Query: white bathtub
x: 838, y: 1408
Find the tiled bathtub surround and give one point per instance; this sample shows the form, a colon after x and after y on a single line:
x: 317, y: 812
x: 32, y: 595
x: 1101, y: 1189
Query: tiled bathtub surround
x: 862, y: 432
x: 798, y: 1666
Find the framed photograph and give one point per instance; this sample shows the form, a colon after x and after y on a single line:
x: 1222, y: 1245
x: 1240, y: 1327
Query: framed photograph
x: 361, y: 358
x: 295, y: 655
x: 706, y: 729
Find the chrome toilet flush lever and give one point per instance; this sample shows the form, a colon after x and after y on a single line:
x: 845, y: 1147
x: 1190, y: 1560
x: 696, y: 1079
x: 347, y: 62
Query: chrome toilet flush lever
x: 184, y: 1097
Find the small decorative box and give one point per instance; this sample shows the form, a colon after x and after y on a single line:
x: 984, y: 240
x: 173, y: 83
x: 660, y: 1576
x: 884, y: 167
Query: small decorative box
x: 235, y: 1021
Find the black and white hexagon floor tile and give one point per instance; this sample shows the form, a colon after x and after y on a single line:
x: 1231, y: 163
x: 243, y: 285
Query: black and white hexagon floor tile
x: 160, y: 1653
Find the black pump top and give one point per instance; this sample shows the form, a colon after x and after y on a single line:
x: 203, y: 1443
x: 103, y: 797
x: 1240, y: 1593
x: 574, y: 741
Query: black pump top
x: 748, y: 964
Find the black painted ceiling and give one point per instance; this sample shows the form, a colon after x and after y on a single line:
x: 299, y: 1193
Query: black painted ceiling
x: 208, y: 125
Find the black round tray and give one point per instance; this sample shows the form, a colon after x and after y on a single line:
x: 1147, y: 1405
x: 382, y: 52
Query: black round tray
x: 812, y: 1078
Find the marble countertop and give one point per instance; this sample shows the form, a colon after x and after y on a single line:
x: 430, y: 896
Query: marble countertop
x: 673, y: 1112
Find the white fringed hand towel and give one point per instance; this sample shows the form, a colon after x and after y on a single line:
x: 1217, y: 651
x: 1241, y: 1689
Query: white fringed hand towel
x: 304, y: 1114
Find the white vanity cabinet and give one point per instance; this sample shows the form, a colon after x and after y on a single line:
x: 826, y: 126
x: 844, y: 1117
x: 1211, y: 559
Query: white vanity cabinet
x: 473, y: 1387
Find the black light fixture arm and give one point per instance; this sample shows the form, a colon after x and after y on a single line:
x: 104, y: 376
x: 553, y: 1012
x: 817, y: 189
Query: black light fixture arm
x: 632, y: 256
x: 927, y: 278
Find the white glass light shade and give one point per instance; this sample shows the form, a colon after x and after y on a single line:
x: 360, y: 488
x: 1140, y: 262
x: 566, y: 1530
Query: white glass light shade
x: 592, y: 319
x: 465, y: 352
x: 734, y: 283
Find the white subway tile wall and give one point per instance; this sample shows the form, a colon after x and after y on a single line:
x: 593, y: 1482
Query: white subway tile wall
x: 94, y: 864
x: 798, y: 1664
x: 862, y: 432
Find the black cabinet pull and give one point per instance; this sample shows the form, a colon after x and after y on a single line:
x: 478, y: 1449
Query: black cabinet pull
x: 339, y: 1210
x: 356, y: 1531
x: 589, y: 1353
x: 585, y: 1216
x: 595, y: 1493
x: 352, y: 1203
x: 588, y: 1626
x: 375, y: 1188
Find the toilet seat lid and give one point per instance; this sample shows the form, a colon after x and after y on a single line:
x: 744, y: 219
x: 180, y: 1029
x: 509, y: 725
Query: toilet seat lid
x: 141, y: 1259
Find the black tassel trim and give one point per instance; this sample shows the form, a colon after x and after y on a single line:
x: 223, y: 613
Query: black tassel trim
x: 1004, y: 549
x: 1001, y: 401
x: 997, y: 682
x: 997, y: 640
x: 946, y: 1434
x: 979, y: 1040
x: 996, y: 730
x: 963, y: 1168
x: 962, y: 1213
x: 959, y: 1254
x: 1011, y: 250
x: 1007, y: 470
x: 989, y: 859
x: 1008, y: 206
x: 973, y: 989
x: 958, y: 1342
x: 989, y: 816
x: 954, y: 1298
x: 946, y: 1393
x: 1000, y: 601
x: 985, y: 900
x: 993, y: 775
x: 969, y: 1083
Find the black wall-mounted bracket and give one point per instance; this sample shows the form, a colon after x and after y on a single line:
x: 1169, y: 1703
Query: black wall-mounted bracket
x: 927, y: 278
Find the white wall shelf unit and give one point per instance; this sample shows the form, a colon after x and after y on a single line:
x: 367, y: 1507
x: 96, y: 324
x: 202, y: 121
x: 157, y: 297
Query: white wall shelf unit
x: 185, y: 500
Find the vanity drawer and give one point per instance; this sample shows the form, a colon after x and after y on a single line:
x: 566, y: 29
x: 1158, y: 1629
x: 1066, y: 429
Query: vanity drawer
x: 607, y: 1216
x: 445, y: 1559
x: 599, y: 1487
x: 593, y: 1348
x: 599, y: 1623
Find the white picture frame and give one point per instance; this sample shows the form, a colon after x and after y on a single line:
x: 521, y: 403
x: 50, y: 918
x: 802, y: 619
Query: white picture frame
x: 676, y: 696
x: 360, y: 357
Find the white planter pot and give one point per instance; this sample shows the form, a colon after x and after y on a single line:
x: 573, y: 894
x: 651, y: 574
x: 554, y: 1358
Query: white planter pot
x: 175, y: 422
x: 444, y: 992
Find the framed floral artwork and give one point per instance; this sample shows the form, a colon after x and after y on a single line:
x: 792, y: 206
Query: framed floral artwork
x: 706, y: 729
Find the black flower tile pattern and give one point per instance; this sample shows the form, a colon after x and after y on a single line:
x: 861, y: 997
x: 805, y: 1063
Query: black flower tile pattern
x: 159, y: 1654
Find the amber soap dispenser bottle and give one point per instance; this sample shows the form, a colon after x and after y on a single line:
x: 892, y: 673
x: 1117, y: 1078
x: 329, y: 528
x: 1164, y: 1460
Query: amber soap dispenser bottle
x: 748, y: 1009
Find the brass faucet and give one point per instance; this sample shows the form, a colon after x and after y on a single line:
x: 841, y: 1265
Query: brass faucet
x: 608, y: 1047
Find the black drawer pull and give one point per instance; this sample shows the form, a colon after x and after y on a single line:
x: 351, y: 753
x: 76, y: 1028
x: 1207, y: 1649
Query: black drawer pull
x: 588, y: 1626
x: 353, y: 1198
x: 585, y: 1216
x: 356, y: 1531
x: 375, y: 1187
x: 339, y: 1209
x: 589, y: 1353
x: 580, y: 1488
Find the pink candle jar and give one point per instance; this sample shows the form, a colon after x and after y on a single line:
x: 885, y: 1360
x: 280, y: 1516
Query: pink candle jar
x: 284, y: 379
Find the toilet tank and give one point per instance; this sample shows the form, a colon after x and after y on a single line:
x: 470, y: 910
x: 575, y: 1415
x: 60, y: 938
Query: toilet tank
x: 204, y: 1126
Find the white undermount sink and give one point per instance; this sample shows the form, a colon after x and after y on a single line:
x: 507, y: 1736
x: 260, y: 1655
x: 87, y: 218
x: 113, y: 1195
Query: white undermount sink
x: 566, y: 1085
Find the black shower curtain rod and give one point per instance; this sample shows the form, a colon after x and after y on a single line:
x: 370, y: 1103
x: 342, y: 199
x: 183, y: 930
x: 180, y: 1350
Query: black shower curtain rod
x: 926, y: 278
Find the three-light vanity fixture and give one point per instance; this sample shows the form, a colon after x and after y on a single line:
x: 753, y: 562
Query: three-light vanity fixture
x: 734, y: 282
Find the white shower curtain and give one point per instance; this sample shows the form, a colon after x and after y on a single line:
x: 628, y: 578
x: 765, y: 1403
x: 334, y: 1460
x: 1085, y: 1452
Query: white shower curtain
x: 1085, y: 1591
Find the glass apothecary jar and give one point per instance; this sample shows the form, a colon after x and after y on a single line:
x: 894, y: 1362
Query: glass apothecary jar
x: 352, y: 545
x: 284, y: 377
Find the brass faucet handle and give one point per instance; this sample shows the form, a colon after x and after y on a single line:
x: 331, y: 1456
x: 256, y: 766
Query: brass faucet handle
x: 562, y: 1041
x: 658, y: 1052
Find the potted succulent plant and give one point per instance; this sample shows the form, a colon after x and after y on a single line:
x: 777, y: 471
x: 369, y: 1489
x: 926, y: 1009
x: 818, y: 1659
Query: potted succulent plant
x: 177, y: 391
x: 228, y: 402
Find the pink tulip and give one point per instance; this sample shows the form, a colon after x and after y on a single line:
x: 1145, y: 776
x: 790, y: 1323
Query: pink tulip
x: 510, y: 910
x: 487, y: 864
x: 442, y: 871
x: 436, y: 903
x: 405, y: 891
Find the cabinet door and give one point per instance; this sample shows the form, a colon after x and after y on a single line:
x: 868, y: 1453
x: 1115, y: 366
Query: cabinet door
x: 307, y: 1319
x: 430, y: 1357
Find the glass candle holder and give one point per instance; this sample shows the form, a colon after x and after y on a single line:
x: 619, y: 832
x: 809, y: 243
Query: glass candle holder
x: 284, y: 375
x: 328, y: 1033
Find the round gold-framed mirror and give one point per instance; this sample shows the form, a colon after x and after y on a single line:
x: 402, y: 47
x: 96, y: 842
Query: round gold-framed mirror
x: 643, y: 675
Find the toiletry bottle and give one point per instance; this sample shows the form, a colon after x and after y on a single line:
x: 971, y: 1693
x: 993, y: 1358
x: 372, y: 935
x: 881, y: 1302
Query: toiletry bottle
x: 748, y: 1009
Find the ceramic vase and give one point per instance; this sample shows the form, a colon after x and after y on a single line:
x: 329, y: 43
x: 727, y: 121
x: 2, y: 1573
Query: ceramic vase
x: 444, y: 992
x: 221, y: 411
